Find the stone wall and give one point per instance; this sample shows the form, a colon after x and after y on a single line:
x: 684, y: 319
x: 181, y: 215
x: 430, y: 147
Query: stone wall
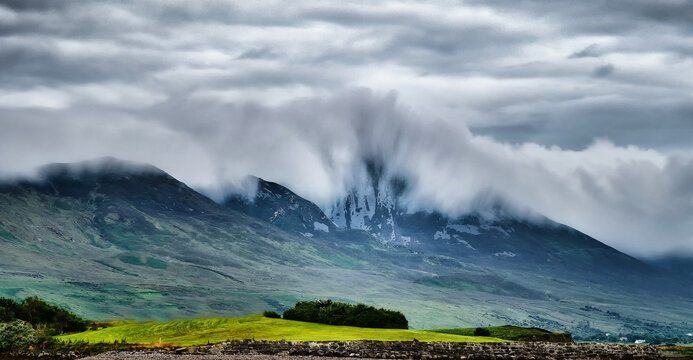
x: 434, y: 350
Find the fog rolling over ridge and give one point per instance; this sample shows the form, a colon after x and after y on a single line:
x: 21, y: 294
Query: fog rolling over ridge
x: 576, y: 111
x: 634, y: 199
x: 321, y: 148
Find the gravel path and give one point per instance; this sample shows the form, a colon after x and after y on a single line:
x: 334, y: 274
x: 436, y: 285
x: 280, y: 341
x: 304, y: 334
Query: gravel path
x: 117, y: 355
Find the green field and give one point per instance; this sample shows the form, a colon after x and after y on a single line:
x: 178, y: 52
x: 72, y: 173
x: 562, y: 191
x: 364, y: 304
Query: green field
x: 685, y: 350
x: 212, y: 330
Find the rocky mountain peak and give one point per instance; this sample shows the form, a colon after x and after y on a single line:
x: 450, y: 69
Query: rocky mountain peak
x: 277, y: 204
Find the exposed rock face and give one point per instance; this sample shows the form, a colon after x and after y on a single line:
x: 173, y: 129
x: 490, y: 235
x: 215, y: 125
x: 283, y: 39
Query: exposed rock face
x: 436, y: 350
x: 494, y: 234
x: 371, y: 205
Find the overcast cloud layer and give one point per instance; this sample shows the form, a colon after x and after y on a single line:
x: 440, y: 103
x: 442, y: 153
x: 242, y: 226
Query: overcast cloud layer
x: 580, y: 110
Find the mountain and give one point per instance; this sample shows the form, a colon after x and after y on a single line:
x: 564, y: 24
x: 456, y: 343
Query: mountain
x: 113, y: 240
x: 493, y: 236
x: 281, y: 207
x: 679, y: 266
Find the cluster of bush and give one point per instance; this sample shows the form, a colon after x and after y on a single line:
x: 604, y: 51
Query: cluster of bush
x: 338, y: 313
x: 33, y: 321
x: 482, y: 332
x: 16, y: 336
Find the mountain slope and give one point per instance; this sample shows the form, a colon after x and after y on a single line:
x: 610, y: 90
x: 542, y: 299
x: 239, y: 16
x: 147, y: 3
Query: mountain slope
x: 496, y: 252
x: 140, y: 236
x: 281, y: 207
x: 115, y: 240
x: 493, y: 235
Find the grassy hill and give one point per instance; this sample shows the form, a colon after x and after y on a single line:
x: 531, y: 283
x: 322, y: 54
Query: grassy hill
x: 212, y: 330
x: 515, y: 333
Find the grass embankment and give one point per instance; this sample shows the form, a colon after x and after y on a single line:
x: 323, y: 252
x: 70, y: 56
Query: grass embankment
x: 213, y: 330
x: 515, y: 333
x: 682, y: 351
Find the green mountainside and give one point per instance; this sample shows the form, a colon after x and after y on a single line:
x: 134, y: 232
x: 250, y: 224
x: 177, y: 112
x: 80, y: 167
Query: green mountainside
x: 118, y: 241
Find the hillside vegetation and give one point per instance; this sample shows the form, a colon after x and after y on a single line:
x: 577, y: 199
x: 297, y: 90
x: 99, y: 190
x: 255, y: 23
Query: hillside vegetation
x: 32, y: 322
x: 41, y: 314
x: 339, y: 313
x: 509, y: 332
x: 212, y: 330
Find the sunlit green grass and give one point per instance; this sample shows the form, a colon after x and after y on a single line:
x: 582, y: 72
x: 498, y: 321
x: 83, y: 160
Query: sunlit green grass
x: 212, y: 330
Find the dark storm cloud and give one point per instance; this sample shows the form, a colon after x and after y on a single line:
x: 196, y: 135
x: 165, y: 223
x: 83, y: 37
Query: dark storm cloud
x: 590, y: 51
x: 24, y: 5
x: 603, y: 70
x: 580, y: 101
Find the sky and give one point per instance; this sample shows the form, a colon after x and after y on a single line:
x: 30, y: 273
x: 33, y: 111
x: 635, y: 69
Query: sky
x: 579, y: 110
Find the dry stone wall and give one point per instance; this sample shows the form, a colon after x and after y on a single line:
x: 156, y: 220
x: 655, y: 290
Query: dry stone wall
x: 435, y: 350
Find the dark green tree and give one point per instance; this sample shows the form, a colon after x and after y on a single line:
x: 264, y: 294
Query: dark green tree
x: 271, y: 314
x: 482, y: 332
x: 10, y: 310
x: 40, y: 313
x: 338, y: 313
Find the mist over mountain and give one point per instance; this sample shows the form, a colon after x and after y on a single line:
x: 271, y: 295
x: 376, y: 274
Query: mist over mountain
x: 541, y: 106
x: 493, y: 233
x: 320, y: 147
x: 448, y: 169
x: 112, y: 239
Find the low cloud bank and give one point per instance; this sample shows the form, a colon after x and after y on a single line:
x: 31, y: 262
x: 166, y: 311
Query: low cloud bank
x: 214, y: 91
x: 637, y: 200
